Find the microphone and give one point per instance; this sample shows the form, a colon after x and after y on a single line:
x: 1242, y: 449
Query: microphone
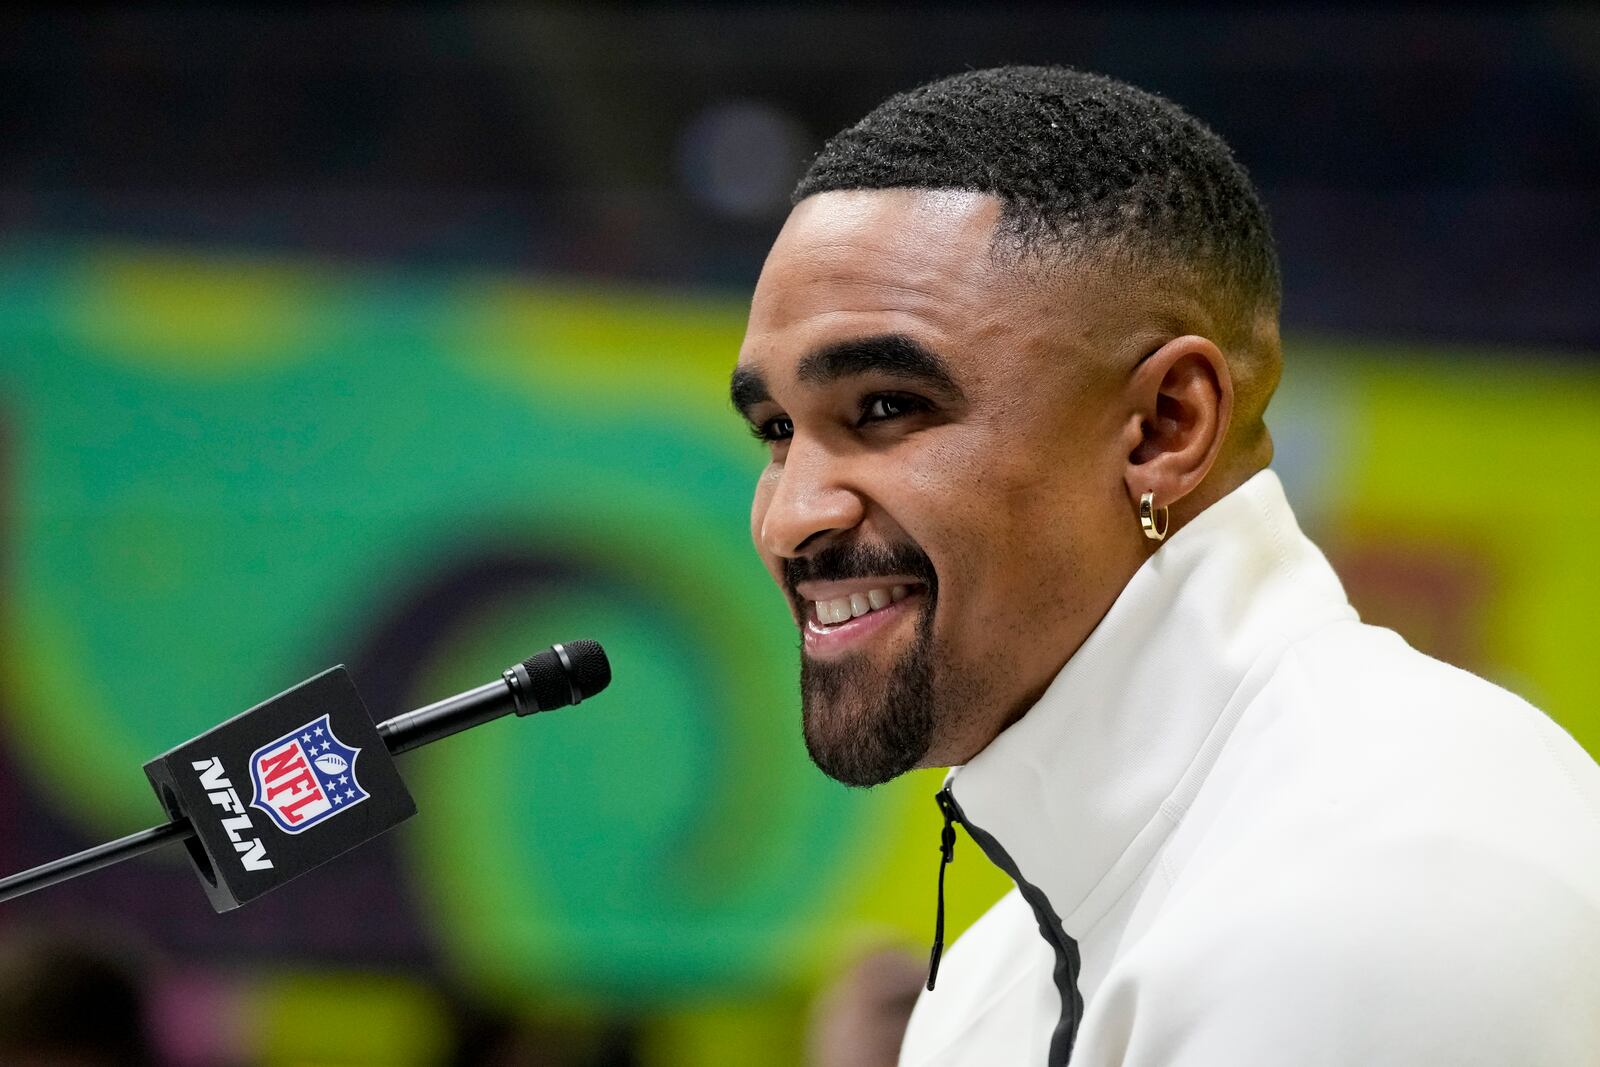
x: 275, y: 791
x: 557, y: 677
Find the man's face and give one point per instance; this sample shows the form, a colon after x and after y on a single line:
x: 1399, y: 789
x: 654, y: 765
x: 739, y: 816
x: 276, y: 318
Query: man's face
x: 944, y: 503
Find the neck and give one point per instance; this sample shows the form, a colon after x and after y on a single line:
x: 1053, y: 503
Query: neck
x: 1229, y: 473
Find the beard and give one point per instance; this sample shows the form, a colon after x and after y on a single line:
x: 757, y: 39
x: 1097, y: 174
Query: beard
x: 863, y: 727
x: 864, y: 724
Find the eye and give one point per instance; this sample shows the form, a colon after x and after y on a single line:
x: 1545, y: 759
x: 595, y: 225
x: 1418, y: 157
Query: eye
x: 880, y: 406
x: 778, y: 428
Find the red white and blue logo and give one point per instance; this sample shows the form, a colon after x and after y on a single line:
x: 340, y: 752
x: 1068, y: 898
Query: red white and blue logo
x: 305, y: 777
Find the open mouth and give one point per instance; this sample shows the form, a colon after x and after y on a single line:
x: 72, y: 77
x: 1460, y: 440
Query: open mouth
x: 834, y: 623
x: 842, y: 609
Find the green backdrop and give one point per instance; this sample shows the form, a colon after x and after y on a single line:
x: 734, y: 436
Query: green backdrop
x: 218, y: 475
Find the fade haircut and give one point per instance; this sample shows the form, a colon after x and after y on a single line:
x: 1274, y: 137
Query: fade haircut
x: 1085, y: 165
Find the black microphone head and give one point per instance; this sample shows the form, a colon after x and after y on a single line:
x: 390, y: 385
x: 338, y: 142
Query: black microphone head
x: 560, y: 675
x: 590, y: 669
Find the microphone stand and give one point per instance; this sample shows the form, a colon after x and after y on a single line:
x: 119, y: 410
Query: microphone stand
x: 560, y: 676
x: 400, y: 734
x: 92, y: 859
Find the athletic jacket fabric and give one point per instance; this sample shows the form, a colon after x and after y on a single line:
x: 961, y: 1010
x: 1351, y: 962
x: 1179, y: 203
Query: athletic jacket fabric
x: 1250, y: 831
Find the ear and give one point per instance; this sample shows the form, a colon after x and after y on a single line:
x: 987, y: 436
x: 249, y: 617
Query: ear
x: 1180, y: 403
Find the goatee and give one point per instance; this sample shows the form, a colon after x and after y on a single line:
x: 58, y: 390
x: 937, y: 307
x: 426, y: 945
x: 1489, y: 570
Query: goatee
x: 865, y: 725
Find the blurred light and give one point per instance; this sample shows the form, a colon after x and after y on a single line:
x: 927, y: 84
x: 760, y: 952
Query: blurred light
x: 742, y: 157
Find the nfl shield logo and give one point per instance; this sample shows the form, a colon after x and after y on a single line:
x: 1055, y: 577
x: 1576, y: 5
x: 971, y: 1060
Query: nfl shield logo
x: 305, y: 777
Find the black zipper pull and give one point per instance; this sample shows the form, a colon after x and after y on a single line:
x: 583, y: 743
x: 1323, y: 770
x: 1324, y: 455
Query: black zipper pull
x: 947, y: 852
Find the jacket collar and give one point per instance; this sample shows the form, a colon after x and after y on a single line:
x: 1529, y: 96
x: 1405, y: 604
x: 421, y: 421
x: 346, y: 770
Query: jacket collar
x: 1082, y: 790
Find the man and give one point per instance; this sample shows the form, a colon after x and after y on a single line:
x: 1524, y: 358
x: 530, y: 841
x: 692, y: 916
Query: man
x: 1011, y: 354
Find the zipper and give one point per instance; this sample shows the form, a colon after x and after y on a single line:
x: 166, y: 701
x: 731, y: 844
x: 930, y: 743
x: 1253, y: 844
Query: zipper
x: 947, y: 852
x: 1062, y: 945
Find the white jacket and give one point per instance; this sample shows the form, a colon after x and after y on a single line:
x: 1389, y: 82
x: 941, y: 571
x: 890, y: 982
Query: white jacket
x: 1249, y: 831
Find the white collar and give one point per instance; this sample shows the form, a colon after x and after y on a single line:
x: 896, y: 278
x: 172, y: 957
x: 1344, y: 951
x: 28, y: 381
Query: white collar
x: 1082, y: 790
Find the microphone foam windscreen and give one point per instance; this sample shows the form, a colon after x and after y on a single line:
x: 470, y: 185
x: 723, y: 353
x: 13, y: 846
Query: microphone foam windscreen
x: 591, y: 670
x: 552, y: 686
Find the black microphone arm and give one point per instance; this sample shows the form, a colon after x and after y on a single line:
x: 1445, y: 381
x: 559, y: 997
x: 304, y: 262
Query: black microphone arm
x: 92, y: 859
x: 560, y: 676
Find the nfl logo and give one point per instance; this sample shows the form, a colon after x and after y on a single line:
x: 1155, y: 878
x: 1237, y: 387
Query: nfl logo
x: 305, y: 777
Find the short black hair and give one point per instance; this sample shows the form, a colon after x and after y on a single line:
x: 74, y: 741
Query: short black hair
x: 1080, y: 161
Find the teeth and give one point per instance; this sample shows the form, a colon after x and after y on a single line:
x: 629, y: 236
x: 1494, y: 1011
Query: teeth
x: 844, y: 608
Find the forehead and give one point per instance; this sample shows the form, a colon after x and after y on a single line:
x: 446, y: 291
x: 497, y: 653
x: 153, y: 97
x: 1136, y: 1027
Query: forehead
x: 876, y: 262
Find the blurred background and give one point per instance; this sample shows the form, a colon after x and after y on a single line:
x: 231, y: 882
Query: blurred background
x: 400, y: 338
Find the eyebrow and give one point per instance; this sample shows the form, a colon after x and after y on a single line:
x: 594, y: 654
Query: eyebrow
x: 893, y: 354
x: 747, y: 389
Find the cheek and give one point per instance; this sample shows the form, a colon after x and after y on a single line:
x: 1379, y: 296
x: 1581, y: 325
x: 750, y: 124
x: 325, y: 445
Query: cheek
x: 971, y: 484
x: 958, y: 510
x: 1004, y: 529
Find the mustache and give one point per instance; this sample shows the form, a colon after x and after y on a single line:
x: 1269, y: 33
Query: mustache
x: 847, y: 560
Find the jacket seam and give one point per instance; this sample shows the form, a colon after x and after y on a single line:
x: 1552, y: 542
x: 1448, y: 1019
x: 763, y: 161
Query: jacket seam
x: 1583, y: 799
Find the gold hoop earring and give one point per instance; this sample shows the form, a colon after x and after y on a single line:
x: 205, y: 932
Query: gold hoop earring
x: 1148, y: 514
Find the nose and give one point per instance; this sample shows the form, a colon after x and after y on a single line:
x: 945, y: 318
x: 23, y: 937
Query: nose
x: 811, y: 501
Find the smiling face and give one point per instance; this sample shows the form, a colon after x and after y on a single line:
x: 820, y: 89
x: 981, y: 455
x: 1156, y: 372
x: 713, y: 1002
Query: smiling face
x: 945, y: 503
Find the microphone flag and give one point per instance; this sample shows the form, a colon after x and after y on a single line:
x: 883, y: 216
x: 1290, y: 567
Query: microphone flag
x: 281, y: 788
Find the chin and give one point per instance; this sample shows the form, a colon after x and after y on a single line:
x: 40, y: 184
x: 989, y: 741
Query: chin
x: 867, y: 722
x: 864, y: 742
